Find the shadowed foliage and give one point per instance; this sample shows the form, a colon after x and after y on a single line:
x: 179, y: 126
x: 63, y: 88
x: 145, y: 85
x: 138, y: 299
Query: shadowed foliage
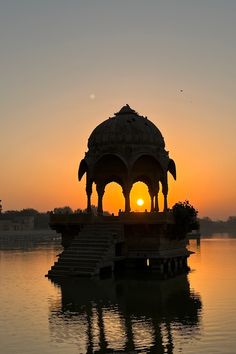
x: 185, y: 217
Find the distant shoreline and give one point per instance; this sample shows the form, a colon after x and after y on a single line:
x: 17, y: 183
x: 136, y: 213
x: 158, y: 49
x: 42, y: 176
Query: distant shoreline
x: 29, y: 234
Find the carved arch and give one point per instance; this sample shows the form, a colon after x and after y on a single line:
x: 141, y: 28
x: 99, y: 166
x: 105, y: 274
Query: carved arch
x: 147, y: 168
x: 113, y: 156
x: 110, y: 168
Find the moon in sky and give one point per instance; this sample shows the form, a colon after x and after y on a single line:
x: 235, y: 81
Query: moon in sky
x: 140, y: 202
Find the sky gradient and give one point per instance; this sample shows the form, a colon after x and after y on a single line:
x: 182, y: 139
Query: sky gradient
x: 68, y: 65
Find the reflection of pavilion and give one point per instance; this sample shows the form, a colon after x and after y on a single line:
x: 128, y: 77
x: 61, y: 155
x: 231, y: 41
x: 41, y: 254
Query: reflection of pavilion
x: 125, y: 315
x: 125, y: 149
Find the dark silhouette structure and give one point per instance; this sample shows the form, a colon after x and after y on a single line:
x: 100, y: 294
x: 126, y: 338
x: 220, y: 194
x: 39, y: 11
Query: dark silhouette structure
x: 125, y: 149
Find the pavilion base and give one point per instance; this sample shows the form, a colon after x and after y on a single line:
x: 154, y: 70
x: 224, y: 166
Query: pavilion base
x: 170, y: 266
x: 134, y: 242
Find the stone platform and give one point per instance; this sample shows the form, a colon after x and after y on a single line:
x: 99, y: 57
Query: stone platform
x: 94, y: 245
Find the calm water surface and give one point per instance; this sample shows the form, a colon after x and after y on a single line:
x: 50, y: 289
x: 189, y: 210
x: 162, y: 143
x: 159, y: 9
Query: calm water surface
x: 187, y: 314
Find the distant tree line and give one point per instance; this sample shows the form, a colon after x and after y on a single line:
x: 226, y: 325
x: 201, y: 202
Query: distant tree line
x: 41, y: 219
x: 184, y: 213
x: 209, y: 226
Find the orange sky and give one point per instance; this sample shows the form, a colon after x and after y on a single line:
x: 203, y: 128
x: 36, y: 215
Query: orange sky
x: 67, y: 67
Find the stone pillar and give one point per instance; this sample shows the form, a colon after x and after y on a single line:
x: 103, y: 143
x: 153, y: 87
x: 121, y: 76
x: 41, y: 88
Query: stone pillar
x: 152, y: 193
x: 126, y: 192
x: 157, y: 265
x: 100, y: 190
x: 152, y: 203
x: 89, y: 193
x: 181, y: 266
x: 176, y: 265
x: 165, y: 202
x: 156, y: 205
x: 165, y: 193
x: 169, y: 268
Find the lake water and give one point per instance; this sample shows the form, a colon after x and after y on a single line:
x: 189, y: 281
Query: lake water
x: 194, y: 313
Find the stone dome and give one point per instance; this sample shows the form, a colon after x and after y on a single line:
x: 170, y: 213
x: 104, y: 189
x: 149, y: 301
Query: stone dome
x: 126, y: 127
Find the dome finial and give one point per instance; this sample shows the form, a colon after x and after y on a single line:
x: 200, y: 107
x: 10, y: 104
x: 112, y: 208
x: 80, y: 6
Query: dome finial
x: 126, y: 110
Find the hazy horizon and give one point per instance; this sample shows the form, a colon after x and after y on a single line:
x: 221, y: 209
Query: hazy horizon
x: 68, y: 66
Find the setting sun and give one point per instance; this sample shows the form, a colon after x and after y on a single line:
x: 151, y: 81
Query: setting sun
x: 140, y: 201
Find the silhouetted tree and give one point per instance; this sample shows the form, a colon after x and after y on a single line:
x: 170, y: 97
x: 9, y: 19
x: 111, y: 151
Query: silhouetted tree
x: 63, y: 210
x: 29, y: 212
x: 185, y: 217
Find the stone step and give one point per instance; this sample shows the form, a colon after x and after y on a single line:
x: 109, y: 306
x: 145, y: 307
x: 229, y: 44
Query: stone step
x: 98, y: 234
x: 100, y: 231
x: 86, y: 251
x: 81, y: 250
x: 64, y: 268
x: 90, y: 246
x: 81, y: 256
x: 73, y: 268
x: 96, y: 229
x: 91, y: 241
x: 52, y: 273
x: 93, y: 234
x: 94, y: 253
x: 61, y: 273
x: 86, y: 246
x: 103, y: 225
x: 77, y: 262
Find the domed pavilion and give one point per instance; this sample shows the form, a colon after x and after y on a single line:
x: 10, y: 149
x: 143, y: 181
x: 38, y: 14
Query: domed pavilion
x: 125, y: 149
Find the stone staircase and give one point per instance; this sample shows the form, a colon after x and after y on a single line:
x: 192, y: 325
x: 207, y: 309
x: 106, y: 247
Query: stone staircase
x: 89, y: 252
